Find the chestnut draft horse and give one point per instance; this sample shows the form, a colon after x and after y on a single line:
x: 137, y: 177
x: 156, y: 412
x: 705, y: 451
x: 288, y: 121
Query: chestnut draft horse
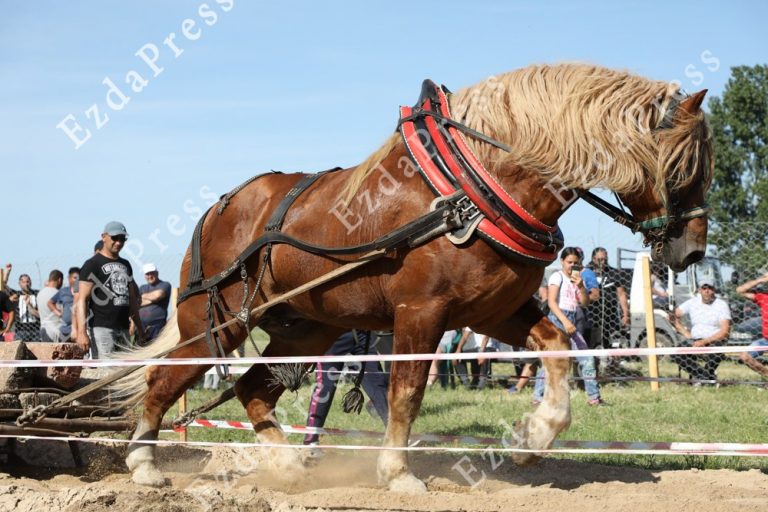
x: 537, y: 139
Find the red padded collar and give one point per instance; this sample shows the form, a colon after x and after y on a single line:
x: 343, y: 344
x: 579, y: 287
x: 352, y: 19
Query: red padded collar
x: 447, y: 164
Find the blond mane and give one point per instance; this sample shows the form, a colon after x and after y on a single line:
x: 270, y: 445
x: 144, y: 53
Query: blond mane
x: 580, y: 126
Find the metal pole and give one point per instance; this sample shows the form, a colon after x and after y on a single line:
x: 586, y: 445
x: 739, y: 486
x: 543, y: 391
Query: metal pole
x: 650, y: 322
x: 671, y: 278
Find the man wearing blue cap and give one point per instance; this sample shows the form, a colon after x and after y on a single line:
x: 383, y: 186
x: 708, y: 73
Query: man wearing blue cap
x: 108, y: 290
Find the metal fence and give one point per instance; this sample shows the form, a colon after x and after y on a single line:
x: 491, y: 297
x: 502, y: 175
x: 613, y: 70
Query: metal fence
x: 706, y: 293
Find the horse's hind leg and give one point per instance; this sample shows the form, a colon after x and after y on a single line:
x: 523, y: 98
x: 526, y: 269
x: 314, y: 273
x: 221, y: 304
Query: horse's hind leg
x: 141, y: 457
x: 537, y: 431
x: 260, y: 398
x: 165, y: 384
x: 417, y: 330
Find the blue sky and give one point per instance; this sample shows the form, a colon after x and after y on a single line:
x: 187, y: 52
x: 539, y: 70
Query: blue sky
x: 287, y: 86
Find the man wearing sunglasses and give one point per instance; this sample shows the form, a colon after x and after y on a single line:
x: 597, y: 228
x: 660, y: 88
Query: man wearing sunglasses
x: 108, y: 291
x: 710, y: 324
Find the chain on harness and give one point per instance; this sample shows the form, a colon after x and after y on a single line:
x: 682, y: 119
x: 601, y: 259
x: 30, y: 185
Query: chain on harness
x: 243, y: 315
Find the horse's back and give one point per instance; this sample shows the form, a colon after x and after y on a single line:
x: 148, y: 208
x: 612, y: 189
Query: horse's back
x: 229, y: 230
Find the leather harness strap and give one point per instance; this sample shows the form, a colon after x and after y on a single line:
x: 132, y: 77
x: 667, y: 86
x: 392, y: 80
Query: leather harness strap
x: 196, y: 263
x: 224, y: 200
x: 198, y: 284
x: 509, y: 216
x: 451, y: 213
x: 275, y: 222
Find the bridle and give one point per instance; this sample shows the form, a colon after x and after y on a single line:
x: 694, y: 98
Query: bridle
x: 656, y: 229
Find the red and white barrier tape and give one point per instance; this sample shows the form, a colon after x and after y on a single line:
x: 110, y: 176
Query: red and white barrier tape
x: 614, y: 352
x: 588, y: 447
x: 674, y: 447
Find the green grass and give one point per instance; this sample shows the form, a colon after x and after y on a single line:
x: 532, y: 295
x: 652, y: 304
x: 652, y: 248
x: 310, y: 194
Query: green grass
x: 676, y: 413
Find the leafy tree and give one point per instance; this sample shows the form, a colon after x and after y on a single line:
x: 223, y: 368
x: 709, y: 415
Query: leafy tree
x: 739, y: 123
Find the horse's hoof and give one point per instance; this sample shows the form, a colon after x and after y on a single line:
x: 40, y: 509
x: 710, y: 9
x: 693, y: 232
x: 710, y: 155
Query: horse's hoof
x: 288, y: 462
x: 522, y: 438
x: 525, y: 459
x: 311, y: 455
x: 407, y: 483
x: 147, y: 474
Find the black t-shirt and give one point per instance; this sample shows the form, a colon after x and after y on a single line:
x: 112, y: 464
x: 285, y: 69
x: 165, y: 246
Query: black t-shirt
x: 6, y: 306
x: 110, y: 299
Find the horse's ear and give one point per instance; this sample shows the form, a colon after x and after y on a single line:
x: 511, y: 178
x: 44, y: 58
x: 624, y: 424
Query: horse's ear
x: 692, y: 103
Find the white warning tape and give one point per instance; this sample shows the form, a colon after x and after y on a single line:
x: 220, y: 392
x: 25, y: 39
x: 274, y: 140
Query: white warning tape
x: 714, y: 449
x: 614, y: 352
x: 672, y: 447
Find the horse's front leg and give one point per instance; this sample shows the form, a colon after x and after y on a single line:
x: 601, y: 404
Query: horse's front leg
x: 418, y: 329
x: 538, y: 430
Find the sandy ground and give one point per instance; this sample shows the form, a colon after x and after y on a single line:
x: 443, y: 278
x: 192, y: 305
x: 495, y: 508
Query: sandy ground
x: 225, y: 480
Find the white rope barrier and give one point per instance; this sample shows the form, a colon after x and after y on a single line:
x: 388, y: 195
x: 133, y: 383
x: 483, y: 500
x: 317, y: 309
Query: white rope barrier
x: 614, y: 352
x: 746, y: 449
x: 559, y: 447
x: 589, y: 447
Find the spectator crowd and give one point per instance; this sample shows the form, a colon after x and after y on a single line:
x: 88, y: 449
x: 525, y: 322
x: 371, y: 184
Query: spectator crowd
x: 101, y: 308
x: 590, y: 304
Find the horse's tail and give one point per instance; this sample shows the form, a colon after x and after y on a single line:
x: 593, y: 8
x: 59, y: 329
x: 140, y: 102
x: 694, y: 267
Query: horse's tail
x: 130, y: 390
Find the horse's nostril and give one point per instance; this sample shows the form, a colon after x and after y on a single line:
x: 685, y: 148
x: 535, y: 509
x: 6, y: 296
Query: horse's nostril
x: 693, y: 257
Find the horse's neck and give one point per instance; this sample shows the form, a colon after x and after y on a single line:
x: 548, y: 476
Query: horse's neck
x: 545, y: 200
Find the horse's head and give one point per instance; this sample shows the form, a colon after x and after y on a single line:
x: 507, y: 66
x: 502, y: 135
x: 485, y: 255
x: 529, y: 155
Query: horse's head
x: 671, y: 212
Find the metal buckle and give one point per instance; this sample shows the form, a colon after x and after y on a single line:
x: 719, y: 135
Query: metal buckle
x: 243, y: 315
x: 466, y: 208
